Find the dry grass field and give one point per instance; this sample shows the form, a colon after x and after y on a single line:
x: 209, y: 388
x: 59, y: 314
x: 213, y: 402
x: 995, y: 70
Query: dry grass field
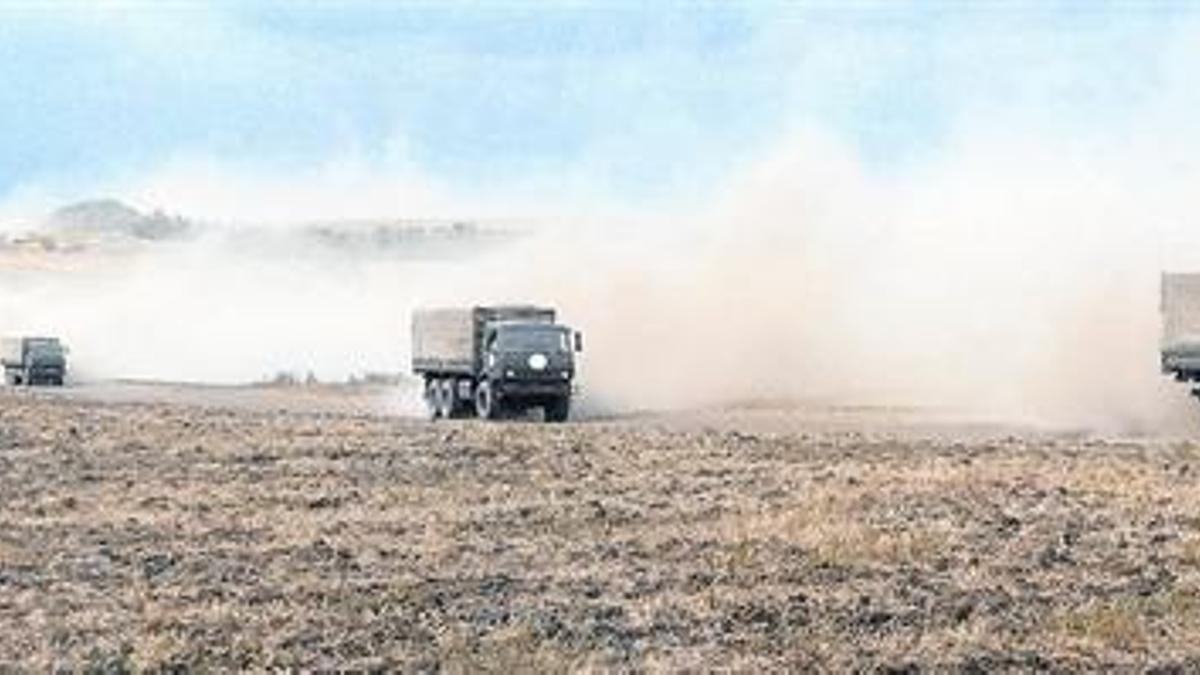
x: 138, y: 535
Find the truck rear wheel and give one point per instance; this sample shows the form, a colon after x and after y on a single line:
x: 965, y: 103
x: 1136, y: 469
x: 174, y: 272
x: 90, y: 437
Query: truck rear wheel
x: 486, y: 405
x: 445, y: 399
x: 558, y: 410
x: 450, y: 403
x: 433, y: 393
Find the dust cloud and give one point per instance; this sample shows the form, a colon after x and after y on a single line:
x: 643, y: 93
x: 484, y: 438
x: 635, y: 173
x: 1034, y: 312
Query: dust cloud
x: 1012, y: 279
x: 1022, y: 293
x: 1008, y: 278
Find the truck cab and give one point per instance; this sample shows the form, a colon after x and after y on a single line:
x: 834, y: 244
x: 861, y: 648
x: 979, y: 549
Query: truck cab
x: 530, y: 361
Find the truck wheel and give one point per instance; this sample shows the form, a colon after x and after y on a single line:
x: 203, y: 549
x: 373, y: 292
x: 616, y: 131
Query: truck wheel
x: 558, y: 410
x: 450, y: 404
x: 433, y: 394
x: 486, y: 405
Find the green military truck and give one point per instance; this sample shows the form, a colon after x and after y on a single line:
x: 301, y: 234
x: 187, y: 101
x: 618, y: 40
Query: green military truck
x: 1179, y: 351
x: 494, y: 361
x: 33, y: 360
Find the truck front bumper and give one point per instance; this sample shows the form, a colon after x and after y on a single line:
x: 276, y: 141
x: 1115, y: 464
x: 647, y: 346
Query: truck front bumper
x: 49, y: 375
x: 533, y: 388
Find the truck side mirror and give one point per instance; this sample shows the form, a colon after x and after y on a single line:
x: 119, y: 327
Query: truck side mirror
x: 578, y: 341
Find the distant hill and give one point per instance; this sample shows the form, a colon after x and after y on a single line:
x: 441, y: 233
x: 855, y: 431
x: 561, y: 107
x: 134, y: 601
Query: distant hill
x: 110, y: 217
x: 103, y: 223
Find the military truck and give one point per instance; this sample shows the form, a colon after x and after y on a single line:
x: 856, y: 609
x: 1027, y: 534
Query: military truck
x: 1180, y: 347
x: 495, y: 361
x: 33, y: 360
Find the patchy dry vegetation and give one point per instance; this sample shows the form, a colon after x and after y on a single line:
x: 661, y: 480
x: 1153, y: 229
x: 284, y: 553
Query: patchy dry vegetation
x: 141, y: 536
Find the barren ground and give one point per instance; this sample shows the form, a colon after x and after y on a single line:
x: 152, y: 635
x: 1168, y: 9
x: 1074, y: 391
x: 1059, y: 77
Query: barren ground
x: 137, y: 534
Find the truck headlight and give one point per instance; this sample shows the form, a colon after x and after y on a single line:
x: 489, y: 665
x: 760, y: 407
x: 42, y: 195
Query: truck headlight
x: 510, y: 373
x: 538, y: 361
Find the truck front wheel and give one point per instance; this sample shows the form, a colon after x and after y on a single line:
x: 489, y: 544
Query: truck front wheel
x: 486, y: 405
x: 558, y: 410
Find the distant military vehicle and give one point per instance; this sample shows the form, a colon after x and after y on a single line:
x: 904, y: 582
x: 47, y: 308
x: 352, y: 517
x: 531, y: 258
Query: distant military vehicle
x: 1180, y: 347
x: 493, y: 361
x: 33, y: 360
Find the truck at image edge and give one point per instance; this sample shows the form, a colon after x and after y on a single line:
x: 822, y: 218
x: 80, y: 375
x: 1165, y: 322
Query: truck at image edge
x: 33, y: 360
x: 1179, y: 351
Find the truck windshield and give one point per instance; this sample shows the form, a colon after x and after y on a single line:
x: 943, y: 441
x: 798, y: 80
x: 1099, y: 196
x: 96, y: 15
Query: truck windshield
x: 533, y: 340
x: 48, y: 347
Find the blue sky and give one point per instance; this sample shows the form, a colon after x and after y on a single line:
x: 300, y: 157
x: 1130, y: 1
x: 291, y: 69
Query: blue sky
x: 648, y: 100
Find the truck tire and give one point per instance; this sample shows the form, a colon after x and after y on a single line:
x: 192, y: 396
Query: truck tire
x: 486, y: 405
x: 433, y: 392
x: 558, y: 410
x: 450, y: 402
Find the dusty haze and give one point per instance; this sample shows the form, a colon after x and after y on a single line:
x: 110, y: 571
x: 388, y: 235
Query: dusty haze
x: 1008, y: 277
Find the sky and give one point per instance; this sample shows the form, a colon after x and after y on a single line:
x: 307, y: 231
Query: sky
x: 645, y: 104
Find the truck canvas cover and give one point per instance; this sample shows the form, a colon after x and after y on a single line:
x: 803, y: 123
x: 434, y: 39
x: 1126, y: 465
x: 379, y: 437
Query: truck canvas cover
x: 443, y: 340
x: 1180, y: 308
x: 12, y: 350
